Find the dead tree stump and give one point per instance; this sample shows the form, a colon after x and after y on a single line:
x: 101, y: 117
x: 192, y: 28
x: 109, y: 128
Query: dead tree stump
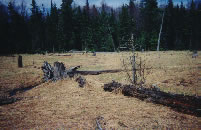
x: 48, y: 71
x: 20, y: 65
x: 57, y: 72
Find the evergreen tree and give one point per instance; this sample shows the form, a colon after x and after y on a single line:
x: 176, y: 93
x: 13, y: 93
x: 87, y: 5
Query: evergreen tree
x: 65, y: 25
x: 178, y: 43
x: 106, y: 42
x: 95, y: 18
x: 98, y: 29
x: 132, y: 15
x: 125, y: 27
x: 78, y: 27
x: 192, y: 26
x: 183, y: 26
x: 13, y: 16
x: 4, y: 30
x: 114, y: 28
x: 51, y: 28
x: 141, y: 34
x: 199, y: 26
x: 36, y: 28
x: 150, y: 14
x: 170, y: 26
x: 18, y: 31
x: 87, y: 30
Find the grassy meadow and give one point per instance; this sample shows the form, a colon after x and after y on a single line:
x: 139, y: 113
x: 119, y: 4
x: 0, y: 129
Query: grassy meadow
x: 63, y: 104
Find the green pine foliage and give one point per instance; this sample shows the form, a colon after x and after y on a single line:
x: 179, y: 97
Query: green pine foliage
x: 91, y: 28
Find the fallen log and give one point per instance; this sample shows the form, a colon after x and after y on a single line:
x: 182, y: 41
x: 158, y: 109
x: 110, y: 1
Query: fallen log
x: 179, y: 102
x: 97, y: 72
x: 59, y: 71
x: 63, y: 55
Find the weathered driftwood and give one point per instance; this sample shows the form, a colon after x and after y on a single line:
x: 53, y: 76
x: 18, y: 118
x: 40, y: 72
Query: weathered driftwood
x: 179, y: 102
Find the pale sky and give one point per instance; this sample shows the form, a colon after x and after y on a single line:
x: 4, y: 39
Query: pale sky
x: 113, y: 3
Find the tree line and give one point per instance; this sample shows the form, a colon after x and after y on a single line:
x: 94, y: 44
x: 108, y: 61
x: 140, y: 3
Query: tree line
x: 102, y: 28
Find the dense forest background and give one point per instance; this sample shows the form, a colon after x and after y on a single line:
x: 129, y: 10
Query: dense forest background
x: 102, y: 28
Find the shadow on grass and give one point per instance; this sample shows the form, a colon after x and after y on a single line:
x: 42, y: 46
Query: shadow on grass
x: 8, y: 100
x: 4, y: 100
x: 20, y: 90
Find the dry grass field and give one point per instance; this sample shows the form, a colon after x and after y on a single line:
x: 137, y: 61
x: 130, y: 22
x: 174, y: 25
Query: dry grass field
x: 64, y: 105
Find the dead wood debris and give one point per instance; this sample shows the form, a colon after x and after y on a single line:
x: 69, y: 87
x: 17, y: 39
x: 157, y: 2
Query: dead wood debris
x: 59, y: 71
x: 98, y: 72
x: 100, y: 123
x: 179, y: 102
x: 112, y: 86
x: 81, y: 80
x: 63, y: 55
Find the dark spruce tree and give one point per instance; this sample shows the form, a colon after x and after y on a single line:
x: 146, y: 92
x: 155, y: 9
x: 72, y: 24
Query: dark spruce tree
x: 151, y: 24
x: 182, y: 27
x: 95, y: 17
x: 4, y: 30
x: 78, y: 28
x: 98, y: 29
x: 65, y: 26
x: 18, y: 33
x: 169, y: 23
x: 125, y: 28
x: 51, y: 29
x: 199, y: 25
x: 106, y: 42
x: 36, y: 29
x: 193, y: 24
x: 114, y: 28
x: 87, y: 30
x: 133, y: 17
